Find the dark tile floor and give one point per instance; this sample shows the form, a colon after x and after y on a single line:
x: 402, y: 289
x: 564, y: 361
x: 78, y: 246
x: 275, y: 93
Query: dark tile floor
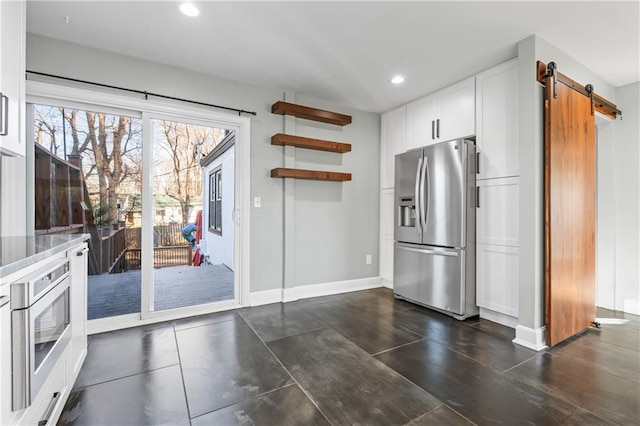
x: 357, y: 358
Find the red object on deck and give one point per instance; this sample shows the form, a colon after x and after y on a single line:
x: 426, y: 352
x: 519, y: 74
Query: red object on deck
x: 197, y: 257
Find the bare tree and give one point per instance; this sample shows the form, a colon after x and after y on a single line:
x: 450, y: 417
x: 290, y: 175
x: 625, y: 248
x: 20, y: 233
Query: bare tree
x: 109, y: 165
x: 179, y: 141
x: 45, y: 123
x: 178, y: 172
x: 112, y: 146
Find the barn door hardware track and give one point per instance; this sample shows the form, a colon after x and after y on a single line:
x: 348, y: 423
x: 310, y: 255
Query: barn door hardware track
x: 598, y: 103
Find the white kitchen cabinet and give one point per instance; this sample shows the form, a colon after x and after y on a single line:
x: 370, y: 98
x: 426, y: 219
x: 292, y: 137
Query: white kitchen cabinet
x: 393, y: 141
x: 421, y: 120
x: 497, y: 278
x: 5, y: 356
x: 78, y: 265
x: 457, y: 111
x: 497, y: 121
x: 442, y: 116
x: 497, y: 218
x: 47, y: 407
x: 12, y: 77
x: 56, y: 387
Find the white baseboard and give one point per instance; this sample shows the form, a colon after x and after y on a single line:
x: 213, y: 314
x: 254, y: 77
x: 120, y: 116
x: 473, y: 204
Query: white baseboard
x: 313, y: 290
x: 631, y: 306
x: 258, y: 298
x: 327, y: 289
x: 530, y: 338
x: 498, y: 317
x: 386, y: 283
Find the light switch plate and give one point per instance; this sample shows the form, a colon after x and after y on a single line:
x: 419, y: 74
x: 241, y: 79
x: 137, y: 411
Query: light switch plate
x: 257, y: 202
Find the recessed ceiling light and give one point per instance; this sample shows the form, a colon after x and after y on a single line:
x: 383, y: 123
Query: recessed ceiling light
x: 397, y: 79
x: 189, y: 9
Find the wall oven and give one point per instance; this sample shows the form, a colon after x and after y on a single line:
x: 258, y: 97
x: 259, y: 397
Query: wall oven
x: 41, y: 328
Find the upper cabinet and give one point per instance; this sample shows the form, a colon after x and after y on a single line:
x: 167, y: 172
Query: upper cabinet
x: 12, y: 80
x: 421, y: 121
x: 445, y: 115
x: 457, y: 110
x: 497, y: 121
x: 393, y: 141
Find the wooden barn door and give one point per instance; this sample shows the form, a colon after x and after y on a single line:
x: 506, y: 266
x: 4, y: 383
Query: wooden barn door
x: 570, y: 211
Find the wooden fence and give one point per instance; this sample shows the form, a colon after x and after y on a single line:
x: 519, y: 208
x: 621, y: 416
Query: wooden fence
x: 108, y: 249
x: 163, y: 236
x: 162, y: 256
x: 117, y: 251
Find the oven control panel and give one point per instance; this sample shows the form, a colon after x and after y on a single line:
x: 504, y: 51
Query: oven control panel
x: 28, y: 290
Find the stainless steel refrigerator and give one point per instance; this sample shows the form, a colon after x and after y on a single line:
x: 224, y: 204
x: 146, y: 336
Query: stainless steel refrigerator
x: 435, y: 227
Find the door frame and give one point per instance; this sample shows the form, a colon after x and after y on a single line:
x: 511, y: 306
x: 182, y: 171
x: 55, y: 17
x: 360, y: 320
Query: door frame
x: 59, y: 95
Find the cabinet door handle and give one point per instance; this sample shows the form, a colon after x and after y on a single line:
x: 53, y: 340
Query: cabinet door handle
x: 433, y: 129
x: 438, y: 128
x: 82, y: 252
x: 477, y: 163
x: 5, y: 115
x: 477, y: 197
x: 52, y: 405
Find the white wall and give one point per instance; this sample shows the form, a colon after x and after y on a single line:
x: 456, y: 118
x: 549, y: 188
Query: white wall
x: 627, y: 201
x: 220, y: 247
x: 324, y: 229
x: 321, y: 204
x: 531, y: 135
x: 605, y: 215
x: 618, y: 237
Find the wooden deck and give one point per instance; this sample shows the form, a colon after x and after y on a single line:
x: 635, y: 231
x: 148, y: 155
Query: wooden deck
x: 174, y: 287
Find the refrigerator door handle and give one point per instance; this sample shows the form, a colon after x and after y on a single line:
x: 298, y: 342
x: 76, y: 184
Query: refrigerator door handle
x: 424, y: 200
x: 428, y: 251
x: 417, y: 197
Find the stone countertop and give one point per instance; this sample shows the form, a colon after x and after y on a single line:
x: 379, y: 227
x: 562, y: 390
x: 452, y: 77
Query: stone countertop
x: 19, y: 252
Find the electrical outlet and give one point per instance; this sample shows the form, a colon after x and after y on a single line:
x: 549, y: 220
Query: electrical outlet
x: 257, y: 202
x: 368, y: 259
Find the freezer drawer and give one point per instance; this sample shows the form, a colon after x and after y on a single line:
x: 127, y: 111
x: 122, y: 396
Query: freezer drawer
x: 430, y: 276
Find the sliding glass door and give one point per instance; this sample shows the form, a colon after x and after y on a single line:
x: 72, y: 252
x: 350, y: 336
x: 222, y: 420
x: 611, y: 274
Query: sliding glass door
x: 183, y: 237
x: 88, y: 178
x: 155, y: 191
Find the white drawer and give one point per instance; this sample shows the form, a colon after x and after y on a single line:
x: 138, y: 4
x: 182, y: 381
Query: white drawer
x: 45, y: 404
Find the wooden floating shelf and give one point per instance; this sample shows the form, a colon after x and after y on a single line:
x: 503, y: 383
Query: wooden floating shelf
x: 308, y: 113
x: 310, y: 174
x: 308, y: 143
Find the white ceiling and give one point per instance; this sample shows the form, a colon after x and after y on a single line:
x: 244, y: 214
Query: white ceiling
x: 346, y: 52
